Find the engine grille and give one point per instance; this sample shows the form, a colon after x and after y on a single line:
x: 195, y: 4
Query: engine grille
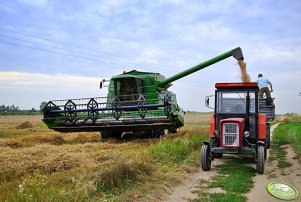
x: 230, y: 134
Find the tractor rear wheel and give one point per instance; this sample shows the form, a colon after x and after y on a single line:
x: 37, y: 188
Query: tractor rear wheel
x: 260, y: 159
x: 268, y: 136
x: 205, y: 157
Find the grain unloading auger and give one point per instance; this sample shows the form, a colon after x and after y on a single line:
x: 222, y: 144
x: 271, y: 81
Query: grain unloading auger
x: 136, y: 102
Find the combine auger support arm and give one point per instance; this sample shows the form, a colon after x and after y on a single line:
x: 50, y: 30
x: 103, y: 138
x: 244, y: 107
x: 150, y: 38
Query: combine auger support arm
x: 236, y: 53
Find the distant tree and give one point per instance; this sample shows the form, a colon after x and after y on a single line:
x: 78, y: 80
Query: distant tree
x: 33, y: 110
x: 2, y: 108
x: 8, y: 108
x: 13, y: 108
x: 42, y: 105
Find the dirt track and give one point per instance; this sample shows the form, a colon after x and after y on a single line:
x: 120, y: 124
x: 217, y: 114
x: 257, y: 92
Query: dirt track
x: 290, y: 175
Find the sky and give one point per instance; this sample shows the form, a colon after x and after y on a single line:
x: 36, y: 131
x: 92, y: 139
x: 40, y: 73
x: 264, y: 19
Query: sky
x: 51, y: 49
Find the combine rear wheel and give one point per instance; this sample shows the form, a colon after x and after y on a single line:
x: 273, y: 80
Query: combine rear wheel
x: 156, y: 133
x: 205, y: 158
x: 260, y: 159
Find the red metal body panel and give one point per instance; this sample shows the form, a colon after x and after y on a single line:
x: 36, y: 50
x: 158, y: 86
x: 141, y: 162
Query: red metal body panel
x: 237, y: 85
x: 241, y: 125
x: 212, y: 123
x: 262, y: 126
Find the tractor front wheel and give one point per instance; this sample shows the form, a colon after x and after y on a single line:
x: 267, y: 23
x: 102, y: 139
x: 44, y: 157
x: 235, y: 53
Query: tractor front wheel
x: 205, y: 158
x: 260, y: 159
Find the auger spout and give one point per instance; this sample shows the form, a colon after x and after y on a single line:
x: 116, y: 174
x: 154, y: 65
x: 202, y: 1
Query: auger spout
x: 236, y: 53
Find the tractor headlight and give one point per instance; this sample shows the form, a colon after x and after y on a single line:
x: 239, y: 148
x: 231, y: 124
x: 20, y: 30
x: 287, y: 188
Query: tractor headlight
x: 216, y: 133
x: 246, y: 133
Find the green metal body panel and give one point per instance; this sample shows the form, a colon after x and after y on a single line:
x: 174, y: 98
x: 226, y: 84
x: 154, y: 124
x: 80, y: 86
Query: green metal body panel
x: 136, y: 101
x: 236, y: 53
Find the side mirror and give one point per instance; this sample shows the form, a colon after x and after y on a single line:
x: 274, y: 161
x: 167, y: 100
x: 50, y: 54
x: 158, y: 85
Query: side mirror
x: 207, y: 101
x: 101, y: 83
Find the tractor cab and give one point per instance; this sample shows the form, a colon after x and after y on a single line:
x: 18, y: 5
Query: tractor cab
x: 239, y: 124
x: 237, y: 101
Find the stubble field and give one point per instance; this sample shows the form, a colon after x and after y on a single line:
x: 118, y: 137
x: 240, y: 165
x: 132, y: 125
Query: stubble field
x: 40, y: 164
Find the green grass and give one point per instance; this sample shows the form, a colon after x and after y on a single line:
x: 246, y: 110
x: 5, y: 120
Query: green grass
x: 220, y: 197
x: 178, y: 150
x: 234, y: 177
x: 288, y: 132
x: 279, y: 153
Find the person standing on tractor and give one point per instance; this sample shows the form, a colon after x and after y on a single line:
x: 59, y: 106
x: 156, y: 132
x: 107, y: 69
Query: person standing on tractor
x: 263, y: 86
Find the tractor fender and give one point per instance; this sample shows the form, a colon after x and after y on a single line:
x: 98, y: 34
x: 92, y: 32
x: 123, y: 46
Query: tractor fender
x: 260, y: 143
x: 212, y: 126
x: 262, y: 126
x: 206, y: 143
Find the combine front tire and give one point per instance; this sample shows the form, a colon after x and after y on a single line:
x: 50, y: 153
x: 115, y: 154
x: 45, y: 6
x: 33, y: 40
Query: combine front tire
x: 205, y: 157
x: 105, y: 134
x: 260, y: 159
x: 110, y: 134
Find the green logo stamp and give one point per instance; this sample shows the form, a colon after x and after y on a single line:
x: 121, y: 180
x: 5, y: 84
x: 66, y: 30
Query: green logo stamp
x: 282, y: 191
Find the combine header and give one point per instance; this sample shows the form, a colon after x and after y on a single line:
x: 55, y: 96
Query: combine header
x: 136, y: 102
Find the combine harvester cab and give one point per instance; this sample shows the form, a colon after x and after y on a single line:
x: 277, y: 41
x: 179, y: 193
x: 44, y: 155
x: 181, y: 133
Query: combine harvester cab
x: 137, y: 102
x: 240, y: 124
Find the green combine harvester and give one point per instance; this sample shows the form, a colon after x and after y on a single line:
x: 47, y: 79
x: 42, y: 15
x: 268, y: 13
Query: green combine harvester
x: 137, y: 102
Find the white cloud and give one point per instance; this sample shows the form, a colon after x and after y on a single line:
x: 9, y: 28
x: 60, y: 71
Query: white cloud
x: 106, y: 7
x: 31, y: 79
x: 34, y: 2
x: 152, y: 55
x: 28, y: 90
x: 270, y: 52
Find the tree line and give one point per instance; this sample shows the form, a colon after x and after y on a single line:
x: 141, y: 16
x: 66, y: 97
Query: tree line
x: 12, y: 109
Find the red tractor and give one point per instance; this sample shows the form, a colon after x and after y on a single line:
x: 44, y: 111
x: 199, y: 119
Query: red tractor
x: 240, y: 124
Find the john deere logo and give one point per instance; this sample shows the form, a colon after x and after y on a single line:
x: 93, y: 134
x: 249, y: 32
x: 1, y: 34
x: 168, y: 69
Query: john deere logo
x: 282, y: 191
